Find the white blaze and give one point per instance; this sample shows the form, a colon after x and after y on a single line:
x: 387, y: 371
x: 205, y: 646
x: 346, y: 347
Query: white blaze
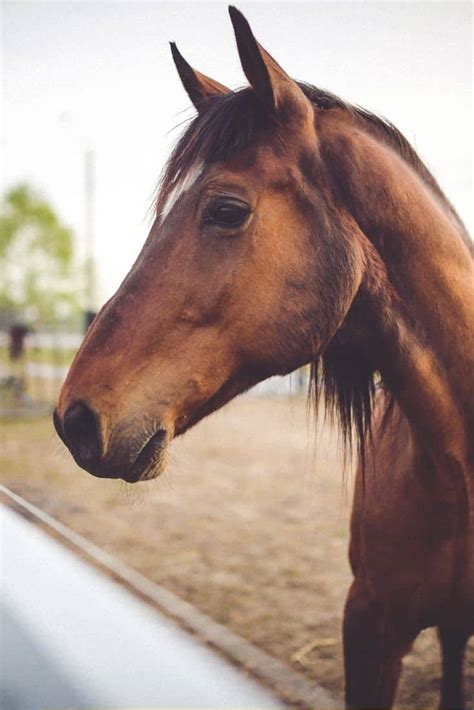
x: 182, y: 185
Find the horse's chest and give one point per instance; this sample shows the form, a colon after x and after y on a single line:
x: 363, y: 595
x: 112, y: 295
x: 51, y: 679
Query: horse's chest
x: 417, y: 550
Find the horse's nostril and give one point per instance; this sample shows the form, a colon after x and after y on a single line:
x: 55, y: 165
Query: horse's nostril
x: 81, y: 432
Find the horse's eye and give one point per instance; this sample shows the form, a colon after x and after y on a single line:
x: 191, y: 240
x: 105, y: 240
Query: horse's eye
x: 226, y: 212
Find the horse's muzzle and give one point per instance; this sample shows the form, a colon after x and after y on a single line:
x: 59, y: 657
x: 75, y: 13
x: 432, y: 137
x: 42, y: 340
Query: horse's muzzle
x: 80, y: 431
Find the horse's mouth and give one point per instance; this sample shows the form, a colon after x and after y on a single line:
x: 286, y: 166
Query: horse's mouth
x: 135, y: 461
x: 151, y: 460
x: 148, y: 464
x: 136, y: 464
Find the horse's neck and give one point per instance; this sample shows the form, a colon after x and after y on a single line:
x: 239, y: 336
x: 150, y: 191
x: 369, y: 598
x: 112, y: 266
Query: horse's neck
x: 426, y: 337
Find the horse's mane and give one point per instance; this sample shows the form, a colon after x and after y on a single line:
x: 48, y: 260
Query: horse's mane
x: 232, y: 122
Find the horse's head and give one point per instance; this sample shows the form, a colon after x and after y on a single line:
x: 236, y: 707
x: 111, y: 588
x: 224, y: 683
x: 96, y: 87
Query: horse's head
x: 248, y: 271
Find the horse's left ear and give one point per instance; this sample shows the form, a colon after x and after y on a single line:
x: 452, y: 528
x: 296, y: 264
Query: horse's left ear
x: 270, y: 82
x: 199, y: 87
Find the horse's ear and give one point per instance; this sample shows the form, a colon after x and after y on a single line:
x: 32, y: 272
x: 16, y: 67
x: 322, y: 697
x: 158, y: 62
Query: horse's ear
x: 199, y: 87
x: 270, y: 82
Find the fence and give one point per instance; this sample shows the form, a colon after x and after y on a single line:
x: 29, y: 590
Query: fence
x: 32, y: 366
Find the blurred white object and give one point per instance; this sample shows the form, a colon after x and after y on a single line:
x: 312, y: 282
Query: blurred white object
x: 71, y: 637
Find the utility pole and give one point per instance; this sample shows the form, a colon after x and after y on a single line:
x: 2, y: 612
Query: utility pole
x: 90, y: 286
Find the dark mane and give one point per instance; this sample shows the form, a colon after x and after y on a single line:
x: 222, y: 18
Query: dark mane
x: 232, y: 122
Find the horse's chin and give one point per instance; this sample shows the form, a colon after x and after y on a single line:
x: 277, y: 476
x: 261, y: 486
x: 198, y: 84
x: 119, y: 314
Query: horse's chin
x: 151, y: 461
x: 154, y: 470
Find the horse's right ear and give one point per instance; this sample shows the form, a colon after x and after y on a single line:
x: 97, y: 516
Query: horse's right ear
x: 271, y: 83
x: 199, y: 87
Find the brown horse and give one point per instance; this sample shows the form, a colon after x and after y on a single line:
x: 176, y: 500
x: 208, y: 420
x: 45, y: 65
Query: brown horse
x: 294, y: 228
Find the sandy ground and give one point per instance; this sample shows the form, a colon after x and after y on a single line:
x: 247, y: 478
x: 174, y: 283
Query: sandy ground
x: 249, y: 524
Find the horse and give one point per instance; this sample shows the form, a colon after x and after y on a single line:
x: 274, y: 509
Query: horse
x: 291, y: 228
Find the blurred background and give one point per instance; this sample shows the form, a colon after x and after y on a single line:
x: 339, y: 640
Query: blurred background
x: 91, y: 106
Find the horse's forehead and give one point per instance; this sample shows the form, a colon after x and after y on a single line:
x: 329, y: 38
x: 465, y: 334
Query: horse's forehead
x: 254, y: 166
x: 258, y: 165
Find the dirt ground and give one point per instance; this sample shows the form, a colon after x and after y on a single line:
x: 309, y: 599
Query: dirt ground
x: 249, y: 524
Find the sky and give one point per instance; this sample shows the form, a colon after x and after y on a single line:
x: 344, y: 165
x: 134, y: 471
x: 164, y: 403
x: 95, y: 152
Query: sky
x: 99, y: 75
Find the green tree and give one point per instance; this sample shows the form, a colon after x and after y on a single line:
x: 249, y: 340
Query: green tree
x: 37, y: 275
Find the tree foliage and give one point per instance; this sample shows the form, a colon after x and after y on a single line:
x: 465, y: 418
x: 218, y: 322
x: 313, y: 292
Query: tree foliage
x: 37, y: 275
